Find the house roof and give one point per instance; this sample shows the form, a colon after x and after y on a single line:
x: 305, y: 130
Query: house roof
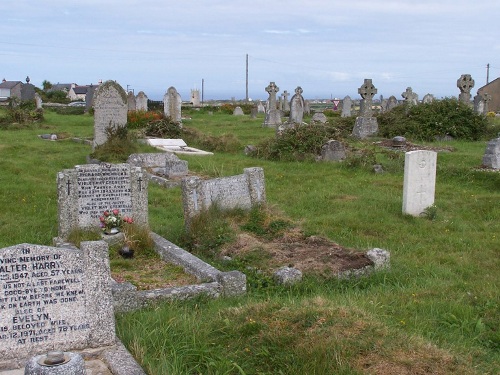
x: 60, y: 87
x: 9, y: 84
x: 495, y: 81
x: 80, y: 89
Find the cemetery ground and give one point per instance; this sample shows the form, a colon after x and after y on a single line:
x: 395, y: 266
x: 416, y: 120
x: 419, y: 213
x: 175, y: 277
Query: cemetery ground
x: 436, y: 311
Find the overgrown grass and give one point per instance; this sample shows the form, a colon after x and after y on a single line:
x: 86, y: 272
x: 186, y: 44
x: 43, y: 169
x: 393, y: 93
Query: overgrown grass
x: 436, y: 311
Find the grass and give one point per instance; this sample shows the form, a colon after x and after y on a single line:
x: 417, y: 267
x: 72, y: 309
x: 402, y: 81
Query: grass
x: 437, y: 310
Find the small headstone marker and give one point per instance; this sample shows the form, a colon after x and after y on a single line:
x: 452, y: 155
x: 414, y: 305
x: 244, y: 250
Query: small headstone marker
x: 465, y: 83
x: 86, y: 191
x: 333, y: 151
x: 366, y: 125
x: 172, y: 103
x: 141, y: 101
x: 297, y: 107
x: 392, y: 102
x: 491, y: 158
x: 238, y: 111
x: 38, y: 101
x: 131, y: 103
x: 110, y: 110
x: 319, y: 117
x: 419, y: 181
x: 261, y: 108
x: 346, y: 107
x: 427, y: 99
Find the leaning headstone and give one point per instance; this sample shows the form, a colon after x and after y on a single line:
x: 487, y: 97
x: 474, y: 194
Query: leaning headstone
x: 141, y: 101
x: 491, y: 158
x: 238, y: 111
x: 427, y: 99
x: 162, y: 163
x: 86, y: 191
x: 54, y: 298
x: 333, y: 151
x: 346, y: 106
x: 365, y: 124
x: 419, y: 181
x: 131, y: 104
x: 465, y: 83
x: 410, y: 97
x: 110, y: 110
x: 172, y: 104
x: 297, y: 107
x: 273, y: 115
x: 241, y: 191
x: 38, y: 101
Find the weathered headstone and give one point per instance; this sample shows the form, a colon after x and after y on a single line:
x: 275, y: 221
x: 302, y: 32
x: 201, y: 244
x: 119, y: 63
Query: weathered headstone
x: 481, y: 103
x: 273, y: 115
x: 491, y: 158
x: 346, y: 106
x: 86, y: 191
x: 54, y: 298
x: 419, y: 181
x: 286, y: 104
x: 38, y: 101
x: 240, y: 191
x: 392, y: 102
x: 110, y: 110
x: 253, y: 112
x: 365, y: 124
x: 27, y: 91
x: 383, y: 105
x: 410, y: 97
x: 141, y: 101
x: 427, y: 99
x: 164, y: 163
x: 172, y: 104
x: 238, y: 111
x: 307, y: 107
x: 319, y: 117
x: 261, y: 108
x: 465, y: 83
x: 297, y: 107
x: 131, y: 103
x: 333, y: 151
x: 89, y: 97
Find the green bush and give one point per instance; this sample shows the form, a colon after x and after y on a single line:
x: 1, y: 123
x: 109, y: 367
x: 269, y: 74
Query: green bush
x: 164, y: 128
x: 119, y: 146
x: 222, y: 143
x: 427, y: 121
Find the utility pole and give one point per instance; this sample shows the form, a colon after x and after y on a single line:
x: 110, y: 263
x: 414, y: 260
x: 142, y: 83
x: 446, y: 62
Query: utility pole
x: 246, y: 95
x: 202, y: 90
x: 487, y: 73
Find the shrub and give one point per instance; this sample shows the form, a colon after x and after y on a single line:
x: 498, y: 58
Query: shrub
x: 222, y: 143
x: 428, y: 121
x: 164, y: 128
x: 118, y: 147
x: 23, y: 113
x: 139, y: 119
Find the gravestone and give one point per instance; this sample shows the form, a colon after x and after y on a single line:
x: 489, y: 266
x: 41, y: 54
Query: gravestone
x: 86, y: 191
x: 346, y: 106
x: 261, y: 108
x: 307, y: 107
x: 131, y: 104
x: 38, y: 101
x: 110, y: 110
x: 195, y: 98
x: 27, y: 91
x: 297, y: 107
x: 392, y: 102
x: 89, y: 97
x: 286, y: 105
x: 172, y: 104
x: 273, y: 115
x: 164, y: 163
x: 241, y: 191
x: 383, y: 105
x: 410, y: 97
x: 491, y: 158
x: 481, y: 103
x: 238, y: 111
x: 427, y: 99
x: 141, y: 101
x: 465, y: 83
x: 419, y: 181
x: 319, y: 117
x: 253, y: 112
x: 54, y: 298
x: 365, y: 124
x: 333, y: 151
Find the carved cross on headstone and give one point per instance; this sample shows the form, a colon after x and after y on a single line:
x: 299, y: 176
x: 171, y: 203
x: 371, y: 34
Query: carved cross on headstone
x: 68, y: 183
x: 139, y: 180
x: 367, y: 91
x: 272, y: 90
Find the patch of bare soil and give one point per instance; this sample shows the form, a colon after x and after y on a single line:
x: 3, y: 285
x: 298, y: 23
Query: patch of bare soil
x: 314, y: 255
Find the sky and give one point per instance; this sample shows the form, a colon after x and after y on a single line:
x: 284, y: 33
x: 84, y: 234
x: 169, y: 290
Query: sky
x: 327, y: 47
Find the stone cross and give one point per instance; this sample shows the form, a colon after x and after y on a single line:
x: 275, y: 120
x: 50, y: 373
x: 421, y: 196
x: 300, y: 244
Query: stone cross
x: 465, y: 83
x: 367, y: 91
x: 409, y: 96
x: 272, y: 90
x: 286, y: 105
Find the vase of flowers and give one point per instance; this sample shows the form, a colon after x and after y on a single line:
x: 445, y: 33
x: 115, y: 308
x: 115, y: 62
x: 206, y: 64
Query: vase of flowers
x: 111, y: 222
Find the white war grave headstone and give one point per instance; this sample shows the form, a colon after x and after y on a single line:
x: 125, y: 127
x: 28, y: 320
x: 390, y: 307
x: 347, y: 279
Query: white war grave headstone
x: 172, y: 104
x: 110, y: 110
x: 366, y: 125
x: 419, y: 181
x: 54, y: 299
x: 86, y: 191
